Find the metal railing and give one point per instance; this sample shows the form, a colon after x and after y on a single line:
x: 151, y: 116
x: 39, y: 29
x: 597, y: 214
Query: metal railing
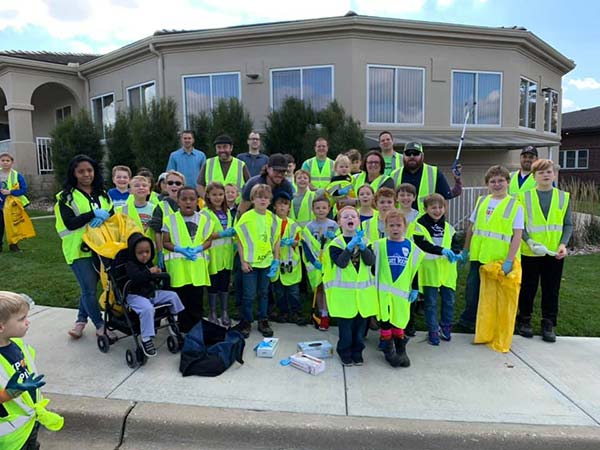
x: 44, y: 154
x: 460, y: 208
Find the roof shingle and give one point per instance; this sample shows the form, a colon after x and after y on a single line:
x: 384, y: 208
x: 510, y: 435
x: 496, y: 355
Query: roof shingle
x: 50, y: 57
x: 582, y: 119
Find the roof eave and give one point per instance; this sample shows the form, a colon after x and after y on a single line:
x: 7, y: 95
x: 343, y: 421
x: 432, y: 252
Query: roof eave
x: 38, y: 65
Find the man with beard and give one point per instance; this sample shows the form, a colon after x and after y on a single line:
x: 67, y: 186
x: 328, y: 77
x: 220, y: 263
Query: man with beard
x: 522, y: 180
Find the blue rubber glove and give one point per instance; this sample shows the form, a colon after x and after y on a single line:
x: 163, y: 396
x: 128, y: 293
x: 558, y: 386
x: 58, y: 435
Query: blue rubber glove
x: 456, y: 168
x: 288, y: 242
x: 179, y: 250
x: 360, y: 234
x: 507, y: 267
x: 198, y: 249
x: 414, y: 295
x: 344, y: 191
x: 101, y: 214
x: 352, y: 244
x: 362, y: 245
x: 274, y: 268
x: 161, y: 260
x: 95, y: 222
x: 318, y: 265
x: 450, y: 255
x: 463, y: 258
x: 330, y: 234
x: 30, y: 383
x: 226, y: 233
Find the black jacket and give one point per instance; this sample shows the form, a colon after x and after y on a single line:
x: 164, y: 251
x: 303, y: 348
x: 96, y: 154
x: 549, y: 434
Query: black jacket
x: 141, y: 280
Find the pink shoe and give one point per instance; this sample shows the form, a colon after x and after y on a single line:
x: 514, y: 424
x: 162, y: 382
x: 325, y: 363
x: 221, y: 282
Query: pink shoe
x: 111, y: 335
x: 77, y: 331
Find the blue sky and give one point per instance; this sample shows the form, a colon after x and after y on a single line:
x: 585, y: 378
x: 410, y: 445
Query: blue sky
x: 99, y: 26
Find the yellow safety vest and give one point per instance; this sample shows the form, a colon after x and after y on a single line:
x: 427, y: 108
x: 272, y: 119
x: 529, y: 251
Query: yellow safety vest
x: 130, y: 210
x: 221, y: 250
x: 305, y: 213
x: 348, y: 292
x: 289, y: 256
x: 256, y: 251
x: 426, y: 187
x: 396, y: 162
x: 436, y: 270
x: 313, y: 246
x: 153, y: 198
x: 235, y: 174
x: 72, y: 239
x: 371, y: 229
x: 320, y: 178
x: 360, y: 179
x: 545, y: 230
x: 183, y: 271
x: 393, y: 295
x: 513, y: 185
x: 334, y: 186
x: 491, y: 238
x: 12, y: 183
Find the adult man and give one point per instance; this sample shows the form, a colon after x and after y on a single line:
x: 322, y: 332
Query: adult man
x: 187, y: 160
x: 253, y: 158
x: 273, y: 174
x: 393, y: 159
x: 522, y: 180
x: 425, y: 178
x: 319, y: 166
x: 223, y: 168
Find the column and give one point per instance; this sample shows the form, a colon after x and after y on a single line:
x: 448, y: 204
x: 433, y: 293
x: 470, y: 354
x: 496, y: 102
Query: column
x: 21, y: 136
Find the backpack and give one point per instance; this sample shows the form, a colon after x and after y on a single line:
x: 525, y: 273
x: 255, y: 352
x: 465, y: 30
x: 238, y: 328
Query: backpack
x: 209, y: 350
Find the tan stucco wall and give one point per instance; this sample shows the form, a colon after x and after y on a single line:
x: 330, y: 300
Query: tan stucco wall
x: 46, y: 99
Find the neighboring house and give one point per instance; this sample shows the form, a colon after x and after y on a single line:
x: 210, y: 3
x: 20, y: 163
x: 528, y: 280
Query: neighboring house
x: 579, y: 155
x: 412, y: 78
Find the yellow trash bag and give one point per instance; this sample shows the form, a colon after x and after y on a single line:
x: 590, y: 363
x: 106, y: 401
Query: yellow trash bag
x: 498, y: 303
x: 107, y: 240
x: 17, y: 223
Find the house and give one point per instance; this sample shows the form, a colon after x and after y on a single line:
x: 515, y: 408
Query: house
x: 412, y: 78
x: 579, y: 155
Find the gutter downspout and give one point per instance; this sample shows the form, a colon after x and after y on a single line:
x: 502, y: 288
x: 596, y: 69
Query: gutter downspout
x: 87, y: 89
x: 161, y: 75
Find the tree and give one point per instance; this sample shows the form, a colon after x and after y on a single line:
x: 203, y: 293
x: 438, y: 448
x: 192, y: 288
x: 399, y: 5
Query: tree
x: 201, y: 125
x: 119, y: 142
x: 73, y: 136
x: 341, y: 130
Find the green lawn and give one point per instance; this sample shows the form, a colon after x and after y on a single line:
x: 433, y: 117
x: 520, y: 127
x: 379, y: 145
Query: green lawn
x: 41, y: 272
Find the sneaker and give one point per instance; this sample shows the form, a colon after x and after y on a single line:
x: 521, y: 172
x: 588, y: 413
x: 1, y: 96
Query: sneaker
x: 347, y: 362
x: 524, y: 329
x: 148, y: 348
x: 358, y: 360
x: 324, y: 325
x: 244, y: 328
x: 77, y: 331
x: 264, y: 328
x: 281, y: 318
x: 446, y: 333
x: 548, y: 333
x: 433, y: 337
x: 14, y: 248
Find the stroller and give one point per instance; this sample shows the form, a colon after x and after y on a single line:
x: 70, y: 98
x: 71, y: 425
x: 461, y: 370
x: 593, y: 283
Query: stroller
x: 107, y: 242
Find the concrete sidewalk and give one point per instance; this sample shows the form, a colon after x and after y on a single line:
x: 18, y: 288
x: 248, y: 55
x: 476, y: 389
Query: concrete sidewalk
x: 555, y: 386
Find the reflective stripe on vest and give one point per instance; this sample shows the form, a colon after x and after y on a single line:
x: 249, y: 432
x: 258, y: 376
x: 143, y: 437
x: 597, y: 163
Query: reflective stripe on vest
x: 13, y: 184
x: 545, y: 230
x: 320, y: 178
x: 305, y: 212
x: 248, y: 242
x: 236, y: 168
x: 513, y: 185
x: 426, y: 186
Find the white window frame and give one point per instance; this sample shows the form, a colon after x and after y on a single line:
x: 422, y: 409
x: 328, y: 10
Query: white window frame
x: 548, y: 114
x: 562, y: 158
x: 475, y: 110
x: 210, y: 75
x: 301, y: 69
x: 139, y: 86
x: 61, y: 108
x: 395, y: 122
x: 537, y: 94
x: 94, y: 118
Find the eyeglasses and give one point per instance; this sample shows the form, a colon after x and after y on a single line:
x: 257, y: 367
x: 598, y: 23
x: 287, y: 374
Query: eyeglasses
x: 412, y: 153
x: 374, y: 162
x: 174, y: 183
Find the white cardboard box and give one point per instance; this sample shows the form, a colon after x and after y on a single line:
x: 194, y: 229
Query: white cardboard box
x: 307, y: 363
x: 318, y: 349
x: 267, y: 347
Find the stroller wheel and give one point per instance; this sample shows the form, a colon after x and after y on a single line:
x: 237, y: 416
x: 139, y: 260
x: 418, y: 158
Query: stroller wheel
x: 173, y: 344
x: 140, y: 356
x: 103, y: 343
x: 131, y: 362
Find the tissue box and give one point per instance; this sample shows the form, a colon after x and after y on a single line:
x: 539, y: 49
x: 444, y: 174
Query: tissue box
x: 307, y: 363
x: 267, y: 348
x: 318, y: 349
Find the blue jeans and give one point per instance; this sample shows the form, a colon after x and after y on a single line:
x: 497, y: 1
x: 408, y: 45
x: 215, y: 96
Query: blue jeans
x: 87, y: 277
x: 352, y: 336
x: 469, y: 315
x: 238, y: 281
x: 255, y: 284
x: 430, y: 295
x: 287, y: 297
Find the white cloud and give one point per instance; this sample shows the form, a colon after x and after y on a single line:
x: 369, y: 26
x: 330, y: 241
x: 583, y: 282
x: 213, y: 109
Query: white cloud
x: 587, y: 83
x: 568, y: 105
x: 388, y: 8
x: 443, y: 4
x: 80, y: 47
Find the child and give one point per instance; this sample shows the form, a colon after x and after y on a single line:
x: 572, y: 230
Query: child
x: 142, y: 295
x: 231, y: 198
x: 120, y: 177
x: 436, y: 237
x: 145, y: 172
x: 494, y: 234
x: 11, y: 183
x: 286, y: 283
x: 161, y: 184
x: 258, y: 247
x: 186, y: 237
x: 220, y: 253
x: 291, y: 168
x: 355, y: 161
x: 137, y: 206
x: 406, y: 195
x: 396, y: 263
x: 374, y: 228
x: 366, y: 203
x: 340, y: 189
x: 301, y: 208
x: 349, y: 286
x: 21, y: 403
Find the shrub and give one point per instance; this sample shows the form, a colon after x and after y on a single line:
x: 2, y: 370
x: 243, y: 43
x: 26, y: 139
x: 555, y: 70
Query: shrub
x: 119, y: 143
x: 201, y: 125
x: 341, y: 130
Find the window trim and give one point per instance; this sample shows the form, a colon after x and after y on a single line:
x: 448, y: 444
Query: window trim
x: 563, y: 155
x: 476, y: 125
x: 62, y: 108
x: 210, y: 75
x: 550, y: 90
x: 537, y: 92
x: 106, y: 94
x: 137, y: 86
x: 395, y: 123
x: 301, y: 69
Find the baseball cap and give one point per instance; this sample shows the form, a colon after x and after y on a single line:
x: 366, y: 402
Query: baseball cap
x: 529, y: 149
x: 277, y: 162
x: 223, y: 139
x: 414, y: 146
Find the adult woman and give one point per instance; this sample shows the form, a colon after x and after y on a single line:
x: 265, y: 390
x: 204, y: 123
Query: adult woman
x: 373, y: 168
x: 82, y: 202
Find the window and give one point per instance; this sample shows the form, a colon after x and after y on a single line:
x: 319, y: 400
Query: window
x: 527, y: 103
x: 483, y: 88
x: 395, y: 95
x: 103, y: 111
x: 550, y: 110
x: 63, y: 113
x: 573, y: 159
x: 203, y: 92
x: 314, y: 85
x: 141, y: 96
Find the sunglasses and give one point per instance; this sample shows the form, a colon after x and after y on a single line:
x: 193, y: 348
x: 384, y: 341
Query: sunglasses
x: 174, y: 183
x: 412, y: 153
